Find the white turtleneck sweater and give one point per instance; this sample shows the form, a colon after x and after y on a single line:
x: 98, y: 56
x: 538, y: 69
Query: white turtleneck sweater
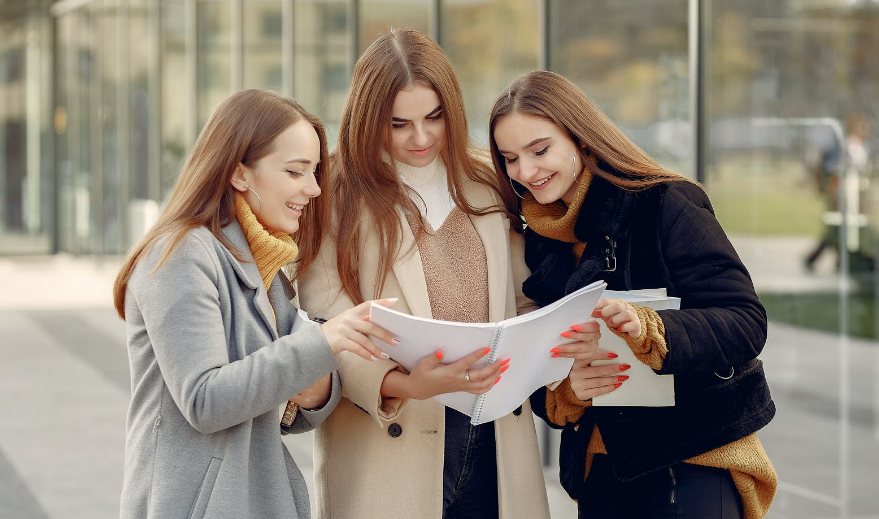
x: 433, y: 200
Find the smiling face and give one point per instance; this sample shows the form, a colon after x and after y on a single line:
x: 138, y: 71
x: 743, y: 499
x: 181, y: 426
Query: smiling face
x: 539, y: 155
x: 418, y: 129
x: 284, y: 179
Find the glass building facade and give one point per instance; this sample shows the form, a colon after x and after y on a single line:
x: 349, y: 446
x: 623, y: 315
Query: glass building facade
x: 773, y: 106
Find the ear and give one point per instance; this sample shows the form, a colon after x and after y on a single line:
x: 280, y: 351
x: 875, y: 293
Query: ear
x: 237, y: 180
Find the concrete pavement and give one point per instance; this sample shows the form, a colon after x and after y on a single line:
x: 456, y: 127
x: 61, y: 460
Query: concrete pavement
x: 64, y: 393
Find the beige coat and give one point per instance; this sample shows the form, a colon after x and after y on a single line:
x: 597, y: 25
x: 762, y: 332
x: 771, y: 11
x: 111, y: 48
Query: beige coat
x: 361, y: 470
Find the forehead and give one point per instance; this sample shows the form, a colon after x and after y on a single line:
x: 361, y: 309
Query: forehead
x: 518, y: 129
x: 415, y: 101
x: 298, y: 141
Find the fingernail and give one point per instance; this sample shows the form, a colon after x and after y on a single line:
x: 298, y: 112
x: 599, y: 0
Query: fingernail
x: 623, y: 377
x: 624, y: 367
x: 618, y: 384
x: 612, y: 355
x: 505, y: 361
x: 393, y: 299
x: 555, y: 350
x: 485, y: 351
x: 439, y: 355
x: 620, y: 329
x: 577, y: 328
x: 555, y: 355
x: 385, y: 355
x: 373, y: 357
x: 498, y: 380
x: 566, y: 335
x: 395, y: 341
x: 504, y: 369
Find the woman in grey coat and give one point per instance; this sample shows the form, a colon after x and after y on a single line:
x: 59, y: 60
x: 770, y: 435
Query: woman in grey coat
x: 215, y: 346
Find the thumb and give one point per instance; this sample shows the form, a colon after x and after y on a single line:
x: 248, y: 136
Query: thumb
x: 386, y: 302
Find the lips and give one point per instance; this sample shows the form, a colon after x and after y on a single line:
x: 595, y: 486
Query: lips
x: 422, y: 152
x: 295, y: 207
x: 542, y: 182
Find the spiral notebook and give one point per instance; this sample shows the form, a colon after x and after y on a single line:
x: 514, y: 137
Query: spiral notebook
x: 525, y: 339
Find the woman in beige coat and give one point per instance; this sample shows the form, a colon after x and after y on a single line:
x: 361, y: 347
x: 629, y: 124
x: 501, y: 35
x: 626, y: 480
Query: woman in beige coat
x: 416, y: 217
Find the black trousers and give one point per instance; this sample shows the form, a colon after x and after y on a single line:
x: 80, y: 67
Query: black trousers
x: 682, y: 491
x: 469, y: 469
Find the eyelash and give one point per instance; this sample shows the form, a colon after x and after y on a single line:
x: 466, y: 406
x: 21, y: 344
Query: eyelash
x: 539, y: 153
x: 435, y: 117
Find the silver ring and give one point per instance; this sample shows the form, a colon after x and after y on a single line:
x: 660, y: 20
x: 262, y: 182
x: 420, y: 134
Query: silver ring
x: 467, y: 375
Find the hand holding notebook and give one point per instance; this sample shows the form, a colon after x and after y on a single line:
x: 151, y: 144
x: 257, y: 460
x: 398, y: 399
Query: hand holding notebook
x: 525, y: 339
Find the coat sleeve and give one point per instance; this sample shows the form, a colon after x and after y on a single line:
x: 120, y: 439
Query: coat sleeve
x: 321, y: 295
x: 721, y: 322
x: 307, y: 419
x: 524, y: 304
x: 179, y: 305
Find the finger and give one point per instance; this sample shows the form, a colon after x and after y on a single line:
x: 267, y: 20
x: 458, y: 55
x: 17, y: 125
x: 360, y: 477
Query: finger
x: 431, y: 361
x: 575, y: 350
x: 600, y: 305
x: 591, y: 371
x: 468, y: 361
x: 490, y: 372
x: 362, y: 342
x: 387, y: 302
x: 379, y: 333
x: 590, y: 326
x: 588, y: 392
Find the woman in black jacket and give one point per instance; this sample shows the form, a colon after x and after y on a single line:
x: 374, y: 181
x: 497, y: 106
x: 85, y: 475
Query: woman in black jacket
x: 597, y: 207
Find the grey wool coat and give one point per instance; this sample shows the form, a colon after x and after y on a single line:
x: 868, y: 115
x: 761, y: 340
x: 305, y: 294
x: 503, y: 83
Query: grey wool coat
x: 209, y: 372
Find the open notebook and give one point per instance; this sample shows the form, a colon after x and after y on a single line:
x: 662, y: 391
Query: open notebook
x: 525, y: 339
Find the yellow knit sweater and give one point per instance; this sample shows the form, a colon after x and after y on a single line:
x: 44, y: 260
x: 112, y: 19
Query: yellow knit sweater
x: 747, y: 462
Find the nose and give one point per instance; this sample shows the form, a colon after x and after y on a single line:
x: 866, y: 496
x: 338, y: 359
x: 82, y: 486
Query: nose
x: 528, y: 169
x: 312, y: 189
x: 420, y: 137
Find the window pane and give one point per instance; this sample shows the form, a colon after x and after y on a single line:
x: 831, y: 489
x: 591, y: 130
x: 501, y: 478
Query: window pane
x: 174, y: 92
x: 634, y: 65
x: 376, y: 16
x: 262, y: 44
x: 214, y: 61
x: 490, y: 43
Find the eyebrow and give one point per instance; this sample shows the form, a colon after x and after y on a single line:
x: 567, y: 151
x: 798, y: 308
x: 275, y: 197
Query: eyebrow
x: 532, y: 143
x: 432, y: 112
x: 300, y: 161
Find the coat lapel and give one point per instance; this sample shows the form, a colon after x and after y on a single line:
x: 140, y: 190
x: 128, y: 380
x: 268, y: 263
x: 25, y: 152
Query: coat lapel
x: 409, y: 272
x: 248, y: 273
x: 493, y: 229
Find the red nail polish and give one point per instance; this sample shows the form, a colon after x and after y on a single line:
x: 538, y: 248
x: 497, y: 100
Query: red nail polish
x: 507, y: 367
x: 618, y: 384
x: 555, y: 350
x: 554, y: 355
x: 623, y: 377
x: 624, y: 367
x: 620, y: 329
x: 505, y: 361
x: 485, y: 351
x: 439, y: 355
x: 577, y: 328
x: 612, y: 355
x: 566, y: 335
x: 498, y: 380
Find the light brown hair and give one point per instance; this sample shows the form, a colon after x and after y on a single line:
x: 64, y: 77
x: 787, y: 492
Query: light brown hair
x: 242, y: 130
x: 550, y: 96
x: 362, y: 181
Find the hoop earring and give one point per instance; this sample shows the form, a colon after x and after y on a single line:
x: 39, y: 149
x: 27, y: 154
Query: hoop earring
x: 574, y: 167
x: 514, y: 187
x: 258, y: 198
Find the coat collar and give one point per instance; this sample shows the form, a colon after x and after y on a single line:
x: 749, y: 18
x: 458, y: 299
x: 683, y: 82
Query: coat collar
x: 409, y: 270
x: 248, y: 272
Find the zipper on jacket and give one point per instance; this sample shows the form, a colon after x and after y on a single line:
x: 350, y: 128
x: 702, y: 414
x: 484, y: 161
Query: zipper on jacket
x: 674, y: 484
x: 610, y: 255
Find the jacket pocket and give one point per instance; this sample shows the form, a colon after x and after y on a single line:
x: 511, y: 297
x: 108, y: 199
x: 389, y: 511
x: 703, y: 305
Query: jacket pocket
x: 205, y: 490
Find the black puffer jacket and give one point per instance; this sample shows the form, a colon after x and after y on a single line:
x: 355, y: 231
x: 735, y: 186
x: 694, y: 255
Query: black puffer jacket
x: 666, y: 236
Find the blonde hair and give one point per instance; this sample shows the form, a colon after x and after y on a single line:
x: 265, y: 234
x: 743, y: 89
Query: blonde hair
x: 242, y: 130
x: 362, y: 180
x: 550, y: 96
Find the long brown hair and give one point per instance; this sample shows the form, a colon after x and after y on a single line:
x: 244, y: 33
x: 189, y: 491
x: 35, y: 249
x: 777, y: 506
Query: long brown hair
x: 242, y: 130
x: 362, y: 180
x: 550, y: 96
